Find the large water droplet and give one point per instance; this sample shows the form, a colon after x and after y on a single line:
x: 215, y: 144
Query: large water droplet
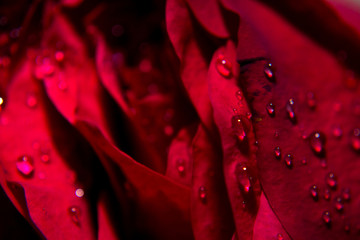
x: 327, y: 194
x: 239, y: 127
x: 31, y: 100
x: 59, y: 56
x: 339, y: 205
x: 79, y: 192
x: 243, y: 178
x: 44, y: 68
x: 279, y: 236
x: 180, y: 166
x: 326, y: 218
x: 290, y: 110
x: 1, y: 103
x: 346, y: 194
x: 331, y: 180
x: 24, y: 165
x: 355, y: 139
x: 277, y: 152
x: 269, y: 72
x: 314, y: 192
x: 270, y: 108
x: 289, y: 161
x: 311, y: 100
x: 202, y: 194
x: 317, y: 143
x: 74, y: 213
x: 223, y: 66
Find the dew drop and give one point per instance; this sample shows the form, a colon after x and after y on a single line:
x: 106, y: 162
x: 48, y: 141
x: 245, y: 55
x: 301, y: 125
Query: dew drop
x: 59, y: 56
x: 304, y: 161
x: 355, y: 139
x: 1, y: 103
x: 223, y: 66
x: 311, y: 100
x: 331, y: 181
x: 243, y: 178
x: 327, y: 194
x: 44, y: 68
x: 337, y: 131
x: 248, y: 115
x: 239, y: 95
x: 290, y: 110
x: 289, y: 161
x: 346, y: 194
x: 79, y: 192
x: 74, y: 213
x: 277, y: 152
x: 31, y: 100
x: 339, y: 205
x: 314, y: 192
x: 317, y: 142
x: 202, y: 194
x: 279, y: 236
x: 269, y: 72
x: 326, y: 218
x: 180, y: 166
x: 238, y: 127
x: 276, y: 134
x: 270, y: 108
x: 24, y: 165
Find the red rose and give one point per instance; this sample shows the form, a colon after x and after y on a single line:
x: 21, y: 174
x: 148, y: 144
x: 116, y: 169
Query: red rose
x: 251, y: 132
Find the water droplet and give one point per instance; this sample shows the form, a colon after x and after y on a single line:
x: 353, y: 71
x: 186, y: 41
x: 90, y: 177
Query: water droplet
x: 243, y: 178
x: 346, y: 194
x: 239, y: 95
x: 31, y: 100
x: 289, y: 161
x: 311, y: 100
x: 44, y: 67
x: 317, y: 142
x: 290, y: 110
x: 355, y: 139
x: 180, y: 166
x: 331, y: 180
x: 238, y: 126
x: 337, y: 131
x: 24, y: 165
x: 202, y: 194
x: 243, y: 204
x: 314, y: 192
x: 339, y: 205
x: 347, y: 228
x: 1, y: 103
x: 277, y: 152
x: 79, y: 192
x: 304, y: 161
x: 63, y: 85
x: 74, y: 213
x: 168, y: 130
x: 276, y: 134
x: 326, y: 218
x: 248, y: 115
x: 323, y: 163
x: 279, y: 236
x: 59, y: 56
x: 327, y: 194
x: 270, y: 108
x: 269, y: 72
x: 223, y: 66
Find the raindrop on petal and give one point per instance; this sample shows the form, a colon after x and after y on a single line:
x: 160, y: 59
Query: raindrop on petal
x: 311, y: 100
x: 223, y: 66
x: 44, y: 68
x: 289, y: 161
x: 326, y: 218
x: 79, y: 192
x: 339, y: 204
x: 239, y: 95
x: 1, y: 103
x: 269, y: 72
x: 331, y: 181
x: 314, y: 192
x: 277, y: 152
x: 337, y: 131
x: 270, y: 108
x: 243, y: 178
x: 238, y: 126
x: 31, y: 100
x: 279, y: 236
x: 290, y: 110
x: 74, y: 213
x: 180, y: 166
x: 355, y: 139
x: 202, y: 194
x: 327, y: 194
x: 346, y: 194
x: 59, y: 56
x: 317, y: 142
x: 24, y: 165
